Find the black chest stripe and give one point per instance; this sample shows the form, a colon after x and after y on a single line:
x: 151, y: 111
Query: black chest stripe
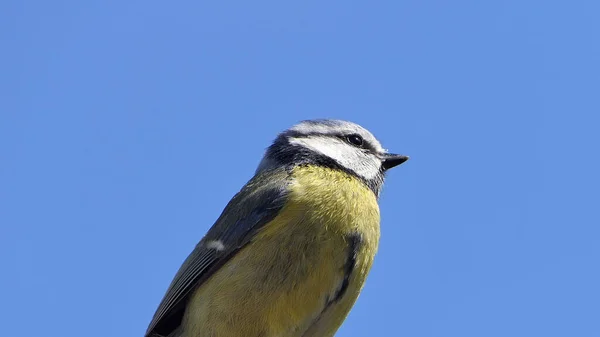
x: 354, y: 243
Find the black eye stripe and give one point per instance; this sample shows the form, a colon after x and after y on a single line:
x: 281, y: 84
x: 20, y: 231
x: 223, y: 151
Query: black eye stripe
x: 366, y: 145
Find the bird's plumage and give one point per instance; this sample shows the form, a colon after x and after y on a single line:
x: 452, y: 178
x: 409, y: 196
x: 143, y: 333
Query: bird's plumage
x: 251, y: 208
x: 270, y: 289
x: 291, y: 251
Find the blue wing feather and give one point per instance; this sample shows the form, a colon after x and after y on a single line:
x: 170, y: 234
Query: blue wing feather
x: 255, y: 205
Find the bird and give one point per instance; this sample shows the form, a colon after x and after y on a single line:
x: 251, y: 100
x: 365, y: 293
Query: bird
x: 291, y: 251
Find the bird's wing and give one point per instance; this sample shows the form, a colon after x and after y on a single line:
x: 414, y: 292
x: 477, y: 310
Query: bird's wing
x: 255, y: 205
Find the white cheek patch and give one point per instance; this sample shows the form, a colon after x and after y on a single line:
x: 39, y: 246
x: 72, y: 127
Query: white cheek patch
x: 364, y: 164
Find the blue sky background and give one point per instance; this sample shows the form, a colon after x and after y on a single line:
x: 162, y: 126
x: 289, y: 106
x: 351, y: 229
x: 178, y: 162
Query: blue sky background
x: 120, y: 122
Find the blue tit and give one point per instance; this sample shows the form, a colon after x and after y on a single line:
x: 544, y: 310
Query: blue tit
x: 291, y: 252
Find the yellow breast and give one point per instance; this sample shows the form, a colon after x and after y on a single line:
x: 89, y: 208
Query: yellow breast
x: 335, y: 202
x: 284, y: 282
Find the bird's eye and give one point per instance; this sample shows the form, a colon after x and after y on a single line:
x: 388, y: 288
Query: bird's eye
x: 355, y: 140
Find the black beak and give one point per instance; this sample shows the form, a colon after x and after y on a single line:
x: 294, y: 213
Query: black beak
x: 390, y: 160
